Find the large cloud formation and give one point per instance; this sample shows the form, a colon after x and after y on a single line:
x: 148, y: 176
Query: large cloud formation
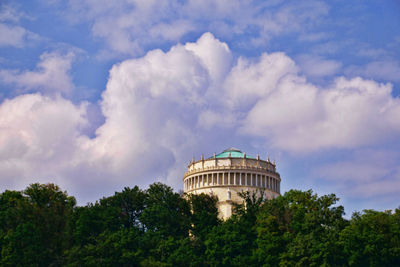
x: 39, y: 137
x: 162, y: 107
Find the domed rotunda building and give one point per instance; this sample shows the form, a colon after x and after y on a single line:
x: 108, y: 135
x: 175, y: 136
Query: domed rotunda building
x: 228, y: 173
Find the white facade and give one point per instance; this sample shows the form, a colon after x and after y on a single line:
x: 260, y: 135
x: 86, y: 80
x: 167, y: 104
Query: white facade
x: 225, y: 176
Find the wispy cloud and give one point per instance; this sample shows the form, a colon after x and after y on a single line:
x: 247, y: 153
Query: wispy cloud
x: 365, y: 173
x: 386, y: 70
x: 317, y: 66
x: 12, y: 34
x: 128, y: 27
x: 50, y: 76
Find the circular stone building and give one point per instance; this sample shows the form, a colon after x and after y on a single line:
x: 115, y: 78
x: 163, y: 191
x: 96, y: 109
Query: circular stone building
x: 228, y: 173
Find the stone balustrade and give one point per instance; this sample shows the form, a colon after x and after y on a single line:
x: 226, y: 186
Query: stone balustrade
x: 232, y: 167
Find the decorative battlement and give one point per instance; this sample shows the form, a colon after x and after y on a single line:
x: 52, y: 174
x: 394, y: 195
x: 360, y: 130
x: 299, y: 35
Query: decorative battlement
x: 222, y: 168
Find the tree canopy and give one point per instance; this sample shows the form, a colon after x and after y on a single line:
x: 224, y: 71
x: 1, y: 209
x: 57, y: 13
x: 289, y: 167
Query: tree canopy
x: 43, y: 226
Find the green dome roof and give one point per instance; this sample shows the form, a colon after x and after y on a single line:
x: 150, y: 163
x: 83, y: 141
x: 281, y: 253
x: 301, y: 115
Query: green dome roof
x: 233, y: 153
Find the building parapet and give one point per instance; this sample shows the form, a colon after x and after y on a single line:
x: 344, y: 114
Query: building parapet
x: 232, y: 167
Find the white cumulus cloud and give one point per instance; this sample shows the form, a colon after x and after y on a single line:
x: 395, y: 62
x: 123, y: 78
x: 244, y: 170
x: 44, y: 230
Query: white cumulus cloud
x: 50, y: 76
x: 161, y: 108
x: 39, y: 137
x: 300, y: 117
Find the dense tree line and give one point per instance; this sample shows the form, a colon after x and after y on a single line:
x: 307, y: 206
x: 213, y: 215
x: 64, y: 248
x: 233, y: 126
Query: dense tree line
x: 42, y: 226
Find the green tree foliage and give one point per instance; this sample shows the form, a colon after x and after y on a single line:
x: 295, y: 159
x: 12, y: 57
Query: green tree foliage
x: 10, y: 210
x: 121, y: 211
x: 166, y: 212
x: 204, y: 214
x: 35, y: 225
x: 165, y: 220
x: 372, y: 239
x: 300, y: 229
x: 134, y: 228
x: 118, y: 248
x: 41, y: 226
x: 232, y: 243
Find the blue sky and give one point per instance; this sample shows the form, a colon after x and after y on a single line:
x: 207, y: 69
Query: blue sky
x: 98, y: 95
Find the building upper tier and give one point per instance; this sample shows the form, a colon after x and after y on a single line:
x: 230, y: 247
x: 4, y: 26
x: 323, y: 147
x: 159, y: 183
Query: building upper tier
x: 231, y: 158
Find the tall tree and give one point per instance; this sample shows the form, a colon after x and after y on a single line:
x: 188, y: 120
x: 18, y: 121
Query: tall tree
x: 39, y: 236
x: 204, y: 214
x: 372, y: 239
x: 166, y: 213
x: 232, y: 243
x: 300, y: 229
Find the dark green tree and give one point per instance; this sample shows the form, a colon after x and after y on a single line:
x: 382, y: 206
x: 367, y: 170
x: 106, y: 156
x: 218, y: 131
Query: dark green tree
x: 108, y: 231
x: 300, y: 229
x: 131, y: 203
x: 165, y: 220
x: 372, y: 239
x: 232, y: 243
x: 119, y: 248
x: 187, y: 252
x: 41, y: 226
x: 11, y: 213
x: 39, y: 235
x: 166, y: 213
x: 204, y: 214
x: 121, y: 211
